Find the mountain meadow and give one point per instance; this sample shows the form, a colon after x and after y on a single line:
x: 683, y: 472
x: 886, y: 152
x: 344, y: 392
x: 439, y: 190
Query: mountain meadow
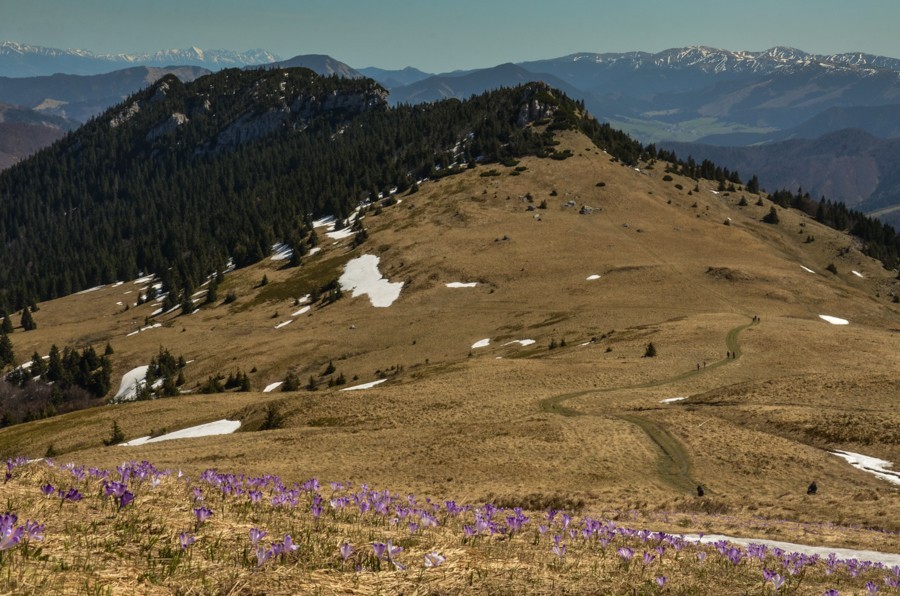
x: 265, y: 333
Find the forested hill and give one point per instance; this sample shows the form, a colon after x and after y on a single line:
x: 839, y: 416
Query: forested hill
x: 183, y: 176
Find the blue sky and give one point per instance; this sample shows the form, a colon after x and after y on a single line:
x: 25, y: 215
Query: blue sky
x: 454, y: 34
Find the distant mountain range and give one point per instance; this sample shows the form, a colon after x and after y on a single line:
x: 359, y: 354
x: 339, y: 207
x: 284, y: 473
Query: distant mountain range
x: 21, y: 60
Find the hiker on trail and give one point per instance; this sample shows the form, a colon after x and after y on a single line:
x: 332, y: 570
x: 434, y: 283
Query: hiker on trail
x: 698, y: 366
x: 812, y: 488
x: 727, y: 355
x: 699, y: 491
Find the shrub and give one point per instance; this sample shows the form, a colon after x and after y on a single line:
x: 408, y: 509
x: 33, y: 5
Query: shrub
x: 667, y: 178
x: 650, y: 351
x: 771, y: 217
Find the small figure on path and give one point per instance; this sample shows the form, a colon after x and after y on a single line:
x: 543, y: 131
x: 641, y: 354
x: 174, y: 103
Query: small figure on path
x: 699, y: 491
x: 727, y: 355
x: 698, y: 366
x: 812, y: 488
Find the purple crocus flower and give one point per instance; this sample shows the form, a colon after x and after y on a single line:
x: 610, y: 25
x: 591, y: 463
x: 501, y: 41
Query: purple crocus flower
x: 185, y: 540
x: 559, y: 550
x: 433, y: 560
x: 71, y: 495
x: 661, y: 581
x: 625, y: 552
x: 47, y: 489
x: 871, y: 587
x: 648, y: 558
x: 263, y: 555
x: 10, y: 534
x: 831, y: 592
x: 34, y: 530
x: 346, y: 551
x: 379, y: 548
x: 126, y: 498
x: 777, y: 581
x: 202, y: 514
x: 287, y: 546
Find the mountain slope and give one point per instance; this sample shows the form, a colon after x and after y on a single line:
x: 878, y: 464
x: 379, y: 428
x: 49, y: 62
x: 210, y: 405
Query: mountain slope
x: 23, y: 132
x: 462, y: 86
x: 321, y: 64
x: 850, y: 166
x: 245, y: 158
x: 80, y: 98
x: 579, y: 425
x: 394, y: 78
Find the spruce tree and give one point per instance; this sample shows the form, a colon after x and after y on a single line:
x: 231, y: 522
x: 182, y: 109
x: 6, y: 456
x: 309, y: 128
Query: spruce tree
x: 7, y: 324
x: 28, y: 323
x: 6, y: 351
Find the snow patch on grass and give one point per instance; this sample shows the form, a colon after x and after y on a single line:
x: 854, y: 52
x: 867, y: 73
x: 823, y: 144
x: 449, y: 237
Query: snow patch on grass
x: 272, y: 387
x: 361, y: 276
x: 219, y: 427
x: 593, y: 277
x: 872, y: 465
x: 857, y: 274
x: 481, y: 343
x: 834, y: 320
x: 521, y: 342
x: 284, y: 324
x: 365, y: 385
x: 147, y: 328
x: 130, y: 380
x: 89, y: 290
x: 822, y: 551
x: 459, y: 284
x: 807, y: 269
x: 671, y: 400
x: 303, y: 310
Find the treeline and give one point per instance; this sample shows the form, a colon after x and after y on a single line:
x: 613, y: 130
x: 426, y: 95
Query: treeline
x: 135, y: 191
x: 881, y: 240
x: 66, y: 381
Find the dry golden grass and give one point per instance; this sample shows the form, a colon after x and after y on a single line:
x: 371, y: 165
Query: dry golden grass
x: 581, y: 424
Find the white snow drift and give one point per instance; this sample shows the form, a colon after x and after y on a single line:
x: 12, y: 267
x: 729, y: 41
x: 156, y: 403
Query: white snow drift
x: 272, y: 387
x: 823, y: 551
x: 482, y: 343
x: 219, y: 427
x: 361, y: 276
x: 365, y: 385
x: 872, y: 465
x: 834, y: 320
x: 671, y: 400
x: 593, y: 277
x: 521, y: 342
x: 459, y: 284
x: 807, y: 269
x: 128, y: 387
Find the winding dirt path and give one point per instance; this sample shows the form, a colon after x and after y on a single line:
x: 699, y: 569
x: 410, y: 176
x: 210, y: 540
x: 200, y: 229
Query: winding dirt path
x: 674, y: 463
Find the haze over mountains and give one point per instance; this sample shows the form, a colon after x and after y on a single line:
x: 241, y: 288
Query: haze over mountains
x: 705, y: 96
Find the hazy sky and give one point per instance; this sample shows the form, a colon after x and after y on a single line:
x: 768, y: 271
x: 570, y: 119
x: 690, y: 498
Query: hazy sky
x: 453, y: 34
